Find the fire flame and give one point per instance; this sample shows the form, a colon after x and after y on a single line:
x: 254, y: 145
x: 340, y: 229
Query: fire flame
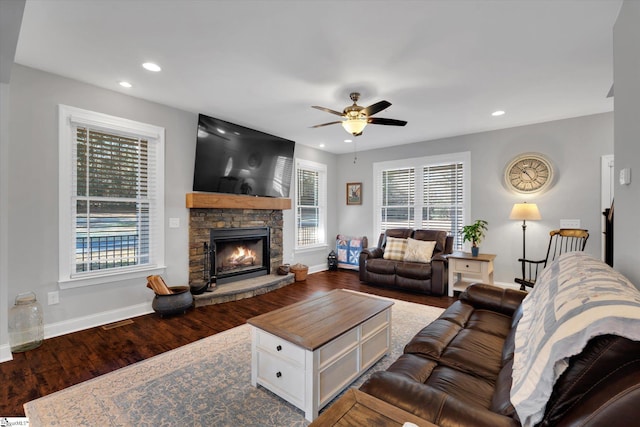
x: 242, y: 255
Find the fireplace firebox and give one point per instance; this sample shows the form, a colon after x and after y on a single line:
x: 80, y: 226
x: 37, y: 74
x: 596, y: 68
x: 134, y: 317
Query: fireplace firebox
x: 239, y: 253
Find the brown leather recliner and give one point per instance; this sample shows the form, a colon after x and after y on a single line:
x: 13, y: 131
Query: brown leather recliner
x: 430, y: 278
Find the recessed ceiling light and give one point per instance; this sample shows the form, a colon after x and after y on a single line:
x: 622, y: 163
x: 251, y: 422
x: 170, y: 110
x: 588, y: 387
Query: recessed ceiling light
x: 497, y: 113
x: 321, y: 146
x: 125, y: 84
x: 348, y: 140
x: 151, y: 67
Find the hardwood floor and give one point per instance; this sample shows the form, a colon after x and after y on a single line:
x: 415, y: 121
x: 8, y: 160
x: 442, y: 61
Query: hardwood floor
x: 70, y: 359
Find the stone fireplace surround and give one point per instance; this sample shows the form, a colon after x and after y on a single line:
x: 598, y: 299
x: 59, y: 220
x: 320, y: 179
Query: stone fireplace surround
x: 213, y: 210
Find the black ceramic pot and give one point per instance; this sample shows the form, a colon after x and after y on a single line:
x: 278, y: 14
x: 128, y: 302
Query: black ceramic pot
x: 176, y: 303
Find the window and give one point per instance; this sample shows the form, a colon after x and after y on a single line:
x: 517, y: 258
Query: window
x: 429, y: 192
x: 111, y: 197
x: 311, y: 200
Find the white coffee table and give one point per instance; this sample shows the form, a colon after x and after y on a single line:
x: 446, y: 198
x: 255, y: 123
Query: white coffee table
x: 308, y: 352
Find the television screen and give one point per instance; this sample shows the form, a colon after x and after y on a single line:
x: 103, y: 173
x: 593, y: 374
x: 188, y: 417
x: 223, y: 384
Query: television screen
x: 235, y: 159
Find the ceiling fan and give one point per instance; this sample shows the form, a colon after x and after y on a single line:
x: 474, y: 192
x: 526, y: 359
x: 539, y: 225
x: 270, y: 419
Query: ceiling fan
x: 357, y: 117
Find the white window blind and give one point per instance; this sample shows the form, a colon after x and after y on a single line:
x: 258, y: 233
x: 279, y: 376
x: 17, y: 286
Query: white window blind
x: 310, y: 204
x: 443, y: 198
x: 398, y: 198
x: 113, y: 200
x: 436, y: 199
x: 111, y: 178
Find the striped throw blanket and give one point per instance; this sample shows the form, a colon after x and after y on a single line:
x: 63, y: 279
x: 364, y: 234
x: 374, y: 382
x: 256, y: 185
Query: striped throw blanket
x: 575, y: 299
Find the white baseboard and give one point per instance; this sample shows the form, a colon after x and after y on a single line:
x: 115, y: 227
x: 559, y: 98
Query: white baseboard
x: 317, y: 268
x: 5, y: 353
x: 98, y: 319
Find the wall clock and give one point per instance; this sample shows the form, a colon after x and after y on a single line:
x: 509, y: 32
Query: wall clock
x: 529, y: 173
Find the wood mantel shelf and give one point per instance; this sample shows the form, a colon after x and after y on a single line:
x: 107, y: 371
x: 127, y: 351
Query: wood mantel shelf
x: 235, y: 201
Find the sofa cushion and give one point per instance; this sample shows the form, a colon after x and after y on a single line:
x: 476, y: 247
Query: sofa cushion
x: 438, y: 236
x: 457, y: 384
x: 395, y: 248
x: 431, y: 404
x: 445, y: 379
x: 490, y: 322
x: 418, y: 250
x: 398, y: 233
x: 381, y: 266
x: 433, y: 339
x: 474, y: 352
x: 501, y: 402
x: 413, y: 270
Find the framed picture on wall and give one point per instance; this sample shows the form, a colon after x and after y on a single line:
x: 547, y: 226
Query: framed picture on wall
x: 354, y: 193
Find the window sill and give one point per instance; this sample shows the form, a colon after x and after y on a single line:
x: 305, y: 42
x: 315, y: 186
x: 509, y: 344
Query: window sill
x: 321, y: 246
x: 119, y: 276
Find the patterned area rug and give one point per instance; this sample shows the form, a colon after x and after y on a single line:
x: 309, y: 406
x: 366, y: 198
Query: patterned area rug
x: 205, y: 383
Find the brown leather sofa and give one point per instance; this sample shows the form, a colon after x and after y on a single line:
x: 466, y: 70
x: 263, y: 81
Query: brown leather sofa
x: 457, y: 371
x: 430, y: 278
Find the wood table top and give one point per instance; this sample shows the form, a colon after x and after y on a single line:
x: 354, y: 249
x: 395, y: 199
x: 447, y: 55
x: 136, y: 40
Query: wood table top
x: 469, y: 256
x: 314, y: 322
x: 357, y: 409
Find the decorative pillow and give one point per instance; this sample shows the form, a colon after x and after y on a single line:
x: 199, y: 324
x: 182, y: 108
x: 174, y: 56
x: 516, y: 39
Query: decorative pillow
x: 419, y: 250
x: 395, y: 248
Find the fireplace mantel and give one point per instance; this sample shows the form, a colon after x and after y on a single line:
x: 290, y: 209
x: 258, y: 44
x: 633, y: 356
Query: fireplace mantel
x: 235, y: 201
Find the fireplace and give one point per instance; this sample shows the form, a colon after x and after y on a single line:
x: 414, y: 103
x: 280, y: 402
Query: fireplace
x: 239, y: 253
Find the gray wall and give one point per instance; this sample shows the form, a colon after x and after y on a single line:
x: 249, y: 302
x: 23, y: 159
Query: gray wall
x: 573, y: 145
x: 626, y: 55
x: 315, y: 259
x: 10, y: 21
x: 33, y: 189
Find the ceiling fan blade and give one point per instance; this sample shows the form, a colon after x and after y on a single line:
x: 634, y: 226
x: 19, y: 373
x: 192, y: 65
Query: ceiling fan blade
x: 327, y: 124
x: 388, y: 122
x: 375, y: 108
x: 328, y: 110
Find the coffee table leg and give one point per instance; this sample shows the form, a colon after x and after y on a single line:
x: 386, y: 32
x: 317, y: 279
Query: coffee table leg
x: 254, y: 357
x: 312, y: 386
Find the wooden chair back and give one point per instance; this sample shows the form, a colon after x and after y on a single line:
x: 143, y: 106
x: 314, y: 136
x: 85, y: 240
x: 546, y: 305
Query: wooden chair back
x: 565, y: 240
x: 560, y: 241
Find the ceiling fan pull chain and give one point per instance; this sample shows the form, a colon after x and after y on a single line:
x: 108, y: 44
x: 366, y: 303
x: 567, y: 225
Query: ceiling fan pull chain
x: 355, y: 152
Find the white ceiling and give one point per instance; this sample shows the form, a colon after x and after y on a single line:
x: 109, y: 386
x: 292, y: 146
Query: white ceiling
x: 444, y: 65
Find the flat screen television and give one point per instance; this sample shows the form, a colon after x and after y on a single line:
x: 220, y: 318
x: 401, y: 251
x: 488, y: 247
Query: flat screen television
x: 234, y: 159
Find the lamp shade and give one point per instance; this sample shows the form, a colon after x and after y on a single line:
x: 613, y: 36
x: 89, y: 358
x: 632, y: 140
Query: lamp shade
x: 525, y: 211
x: 354, y: 125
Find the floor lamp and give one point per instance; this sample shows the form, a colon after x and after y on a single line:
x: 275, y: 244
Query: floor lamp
x: 525, y: 211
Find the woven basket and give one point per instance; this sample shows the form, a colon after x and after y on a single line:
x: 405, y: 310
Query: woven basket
x: 300, y: 271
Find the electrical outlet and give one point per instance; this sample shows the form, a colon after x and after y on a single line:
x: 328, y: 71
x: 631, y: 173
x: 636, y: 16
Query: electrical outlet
x: 54, y: 297
x: 569, y: 223
x: 174, y: 222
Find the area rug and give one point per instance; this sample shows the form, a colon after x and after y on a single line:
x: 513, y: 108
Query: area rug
x: 205, y: 383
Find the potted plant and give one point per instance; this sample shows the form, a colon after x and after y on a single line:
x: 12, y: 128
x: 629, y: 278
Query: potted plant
x: 474, y: 233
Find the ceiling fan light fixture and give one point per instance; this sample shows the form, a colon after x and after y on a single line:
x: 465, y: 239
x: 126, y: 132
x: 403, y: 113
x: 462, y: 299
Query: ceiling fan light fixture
x: 354, y: 126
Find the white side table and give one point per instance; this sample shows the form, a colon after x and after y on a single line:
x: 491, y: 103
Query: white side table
x: 465, y: 269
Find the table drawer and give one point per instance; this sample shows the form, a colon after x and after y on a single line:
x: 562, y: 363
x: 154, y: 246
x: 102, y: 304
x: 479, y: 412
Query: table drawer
x: 282, y: 348
x: 286, y: 377
x: 465, y: 266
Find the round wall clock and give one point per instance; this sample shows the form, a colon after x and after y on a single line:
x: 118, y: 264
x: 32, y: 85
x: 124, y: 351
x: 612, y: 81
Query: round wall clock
x: 529, y: 173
